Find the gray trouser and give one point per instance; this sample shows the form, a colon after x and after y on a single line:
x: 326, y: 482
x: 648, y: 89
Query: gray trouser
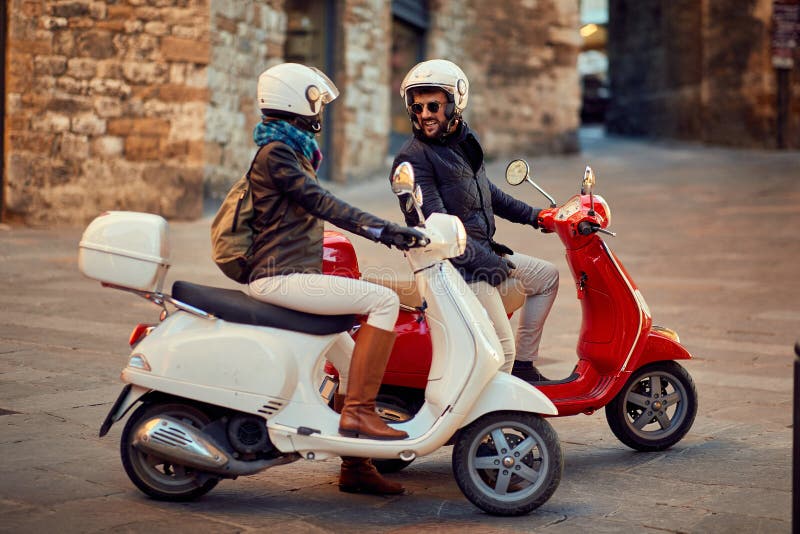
x: 539, y: 278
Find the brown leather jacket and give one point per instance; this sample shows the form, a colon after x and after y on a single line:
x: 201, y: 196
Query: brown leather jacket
x: 290, y: 207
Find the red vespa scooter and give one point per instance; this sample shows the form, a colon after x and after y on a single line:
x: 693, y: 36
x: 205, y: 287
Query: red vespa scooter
x: 625, y: 363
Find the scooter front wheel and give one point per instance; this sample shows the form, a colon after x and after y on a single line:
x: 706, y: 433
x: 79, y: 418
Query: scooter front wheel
x: 155, y: 476
x: 655, y: 408
x: 508, y: 463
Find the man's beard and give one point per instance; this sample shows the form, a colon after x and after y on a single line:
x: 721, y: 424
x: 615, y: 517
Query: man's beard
x: 439, y: 131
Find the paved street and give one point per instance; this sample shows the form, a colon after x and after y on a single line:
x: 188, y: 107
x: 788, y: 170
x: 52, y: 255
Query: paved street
x: 709, y: 235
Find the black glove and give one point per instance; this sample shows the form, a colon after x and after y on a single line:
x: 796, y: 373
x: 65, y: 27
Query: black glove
x: 401, y: 237
x: 497, y: 276
x: 500, y: 249
x: 536, y: 224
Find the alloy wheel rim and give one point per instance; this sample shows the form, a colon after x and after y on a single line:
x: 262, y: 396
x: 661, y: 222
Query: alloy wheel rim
x: 655, y: 405
x: 508, y: 462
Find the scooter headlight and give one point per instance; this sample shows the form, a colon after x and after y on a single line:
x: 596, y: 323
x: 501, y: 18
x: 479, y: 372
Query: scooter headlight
x: 447, y: 234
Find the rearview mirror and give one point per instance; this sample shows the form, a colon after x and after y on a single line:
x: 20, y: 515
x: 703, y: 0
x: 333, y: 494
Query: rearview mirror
x: 403, y: 179
x: 517, y: 171
x: 588, y: 181
x: 403, y: 185
x: 587, y: 185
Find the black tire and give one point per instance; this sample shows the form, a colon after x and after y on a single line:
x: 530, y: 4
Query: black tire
x: 154, y: 476
x: 392, y: 409
x: 639, y: 415
x: 508, y: 463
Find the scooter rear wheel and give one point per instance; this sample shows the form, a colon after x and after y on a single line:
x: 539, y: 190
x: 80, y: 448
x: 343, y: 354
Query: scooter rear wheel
x: 508, y: 463
x: 655, y: 409
x: 156, y: 477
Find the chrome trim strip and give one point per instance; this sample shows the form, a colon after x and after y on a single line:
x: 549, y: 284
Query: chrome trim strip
x: 188, y: 308
x: 440, y: 274
x: 636, y: 300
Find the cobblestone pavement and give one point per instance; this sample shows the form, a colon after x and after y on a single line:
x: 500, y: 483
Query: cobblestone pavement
x: 710, y: 236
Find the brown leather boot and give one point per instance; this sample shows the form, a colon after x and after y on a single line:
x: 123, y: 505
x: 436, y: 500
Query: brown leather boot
x: 338, y: 402
x: 358, y: 475
x: 370, y: 355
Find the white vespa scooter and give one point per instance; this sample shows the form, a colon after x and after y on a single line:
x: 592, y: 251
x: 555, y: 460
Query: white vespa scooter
x: 228, y: 386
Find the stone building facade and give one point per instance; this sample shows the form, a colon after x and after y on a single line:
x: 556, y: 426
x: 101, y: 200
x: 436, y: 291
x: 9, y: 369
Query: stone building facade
x: 149, y: 105
x: 520, y: 57
x: 699, y: 70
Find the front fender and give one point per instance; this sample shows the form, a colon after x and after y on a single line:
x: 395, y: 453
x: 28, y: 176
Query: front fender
x: 506, y: 392
x: 660, y: 347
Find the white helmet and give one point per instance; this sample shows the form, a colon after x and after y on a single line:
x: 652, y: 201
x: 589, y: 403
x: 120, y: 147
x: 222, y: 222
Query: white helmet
x: 295, y: 89
x: 441, y: 74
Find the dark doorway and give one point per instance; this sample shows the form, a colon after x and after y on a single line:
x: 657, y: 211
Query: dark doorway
x: 593, y: 61
x: 409, y: 26
x: 311, y: 40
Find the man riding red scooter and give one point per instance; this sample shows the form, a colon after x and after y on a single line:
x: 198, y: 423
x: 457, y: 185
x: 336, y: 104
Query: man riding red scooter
x: 449, y: 169
x: 625, y: 363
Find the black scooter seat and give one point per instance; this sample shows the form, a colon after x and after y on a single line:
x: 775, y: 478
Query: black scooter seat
x: 236, y: 307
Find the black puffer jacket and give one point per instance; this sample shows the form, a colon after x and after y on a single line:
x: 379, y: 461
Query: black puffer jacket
x: 290, y: 207
x: 453, y: 180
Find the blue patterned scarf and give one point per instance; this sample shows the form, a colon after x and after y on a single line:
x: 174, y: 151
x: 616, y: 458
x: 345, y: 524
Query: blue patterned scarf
x: 299, y: 140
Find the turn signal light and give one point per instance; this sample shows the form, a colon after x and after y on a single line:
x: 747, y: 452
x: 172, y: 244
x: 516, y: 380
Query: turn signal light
x: 667, y: 332
x: 140, y: 331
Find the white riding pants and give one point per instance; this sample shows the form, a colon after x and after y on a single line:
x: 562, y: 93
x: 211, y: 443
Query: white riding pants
x: 331, y: 295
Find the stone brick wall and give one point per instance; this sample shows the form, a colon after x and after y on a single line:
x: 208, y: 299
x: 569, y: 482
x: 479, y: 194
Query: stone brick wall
x: 451, y: 21
x: 105, y: 108
x: 362, y: 110
x: 696, y: 70
x: 149, y: 105
x: 520, y: 58
x: 246, y: 38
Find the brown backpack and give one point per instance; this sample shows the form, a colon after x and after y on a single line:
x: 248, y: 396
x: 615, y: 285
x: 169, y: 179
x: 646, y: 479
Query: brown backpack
x: 231, y: 232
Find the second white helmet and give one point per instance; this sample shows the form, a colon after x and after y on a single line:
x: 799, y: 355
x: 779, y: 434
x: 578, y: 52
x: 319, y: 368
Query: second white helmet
x: 296, y: 89
x: 441, y: 74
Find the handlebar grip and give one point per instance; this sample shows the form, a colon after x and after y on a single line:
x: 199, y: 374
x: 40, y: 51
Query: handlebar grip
x: 401, y: 240
x: 419, y: 242
x: 408, y: 241
x: 587, y: 227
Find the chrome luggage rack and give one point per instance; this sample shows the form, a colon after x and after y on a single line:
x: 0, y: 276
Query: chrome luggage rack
x: 161, y: 300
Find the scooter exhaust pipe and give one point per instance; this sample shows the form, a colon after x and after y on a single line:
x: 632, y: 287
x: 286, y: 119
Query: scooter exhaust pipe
x: 183, y: 444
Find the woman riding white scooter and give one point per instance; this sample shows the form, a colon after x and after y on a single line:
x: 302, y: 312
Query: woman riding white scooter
x: 286, y: 264
x: 226, y: 386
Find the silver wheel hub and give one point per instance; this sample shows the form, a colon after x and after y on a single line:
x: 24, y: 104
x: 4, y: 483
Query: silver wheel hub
x: 508, y: 461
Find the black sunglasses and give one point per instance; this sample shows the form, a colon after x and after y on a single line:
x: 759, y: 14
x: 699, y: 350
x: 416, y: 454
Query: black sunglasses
x: 433, y: 107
